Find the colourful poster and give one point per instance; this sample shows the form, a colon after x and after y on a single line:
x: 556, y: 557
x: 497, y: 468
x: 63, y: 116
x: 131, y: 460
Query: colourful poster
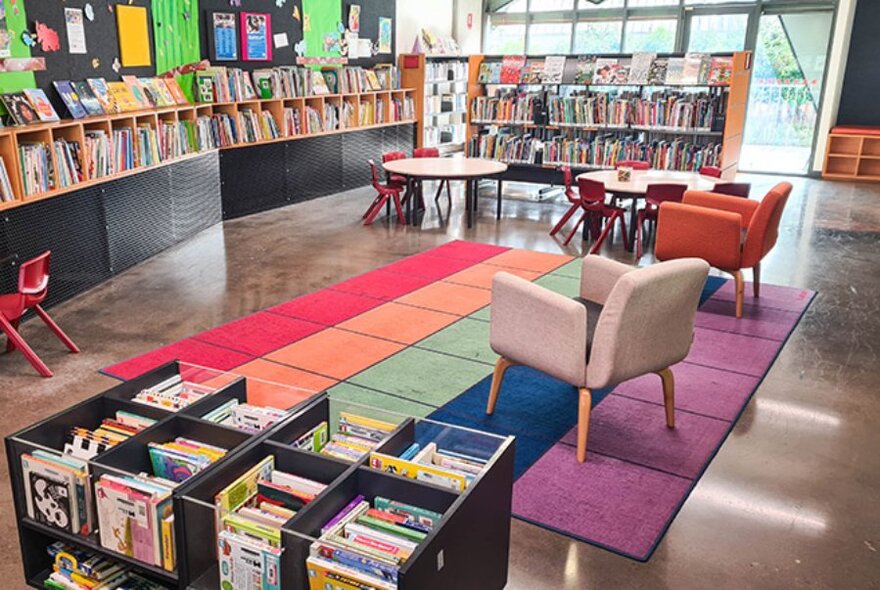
x: 5, y: 39
x: 134, y: 36
x: 76, y: 32
x: 323, y: 17
x: 384, y: 35
x: 354, y: 18
x: 256, y: 29
x: 225, y: 36
x: 177, y: 41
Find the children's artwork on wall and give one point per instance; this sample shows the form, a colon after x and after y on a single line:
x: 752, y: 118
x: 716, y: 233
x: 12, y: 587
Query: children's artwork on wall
x: 176, y: 37
x: 76, y: 31
x: 256, y: 28
x: 385, y: 26
x: 47, y: 37
x: 5, y: 39
x: 354, y: 18
x: 23, y: 64
x: 134, y: 36
x: 331, y: 43
x: 225, y: 30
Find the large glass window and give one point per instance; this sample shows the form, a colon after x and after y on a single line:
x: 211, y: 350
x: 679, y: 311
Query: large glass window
x: 600, y: 36
x: 650, y: 35
x: 716, y: 33
x: 547, y: 5
x: 587, y: 5
x: 651, y: 3
x: 515, y: 6
x: 546, y: 38
x: 504, y: 37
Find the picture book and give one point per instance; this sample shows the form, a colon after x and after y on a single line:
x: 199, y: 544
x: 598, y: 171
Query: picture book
x: 554, y: 68
x: 176, y: 91
x: 161, y: 94
x: 693, y: 63
x: 122, y: 97
x: 205, y: 85
x: 243, y: 489
x: 70, y: 97
x: 102, y: 93
x: 124, y: 520
x: 19, y: 108
x: 319, y: 85
x: 328, y: 574
x: 425, y: 473
x: 657, y: 73
x: 490, y: 73
x: 675, y: 71
x: 586, y: 66
x: 313, y: 440
x: 247, y: 564
x: 261, y: 532
x: 175, y: 466
x: 38, y: 99
x: 721, y: 71
x: 606, y: 71
x: 50, y: 494
x: 88, y: 99
x: 533, y: 72
x: 511, y: 66
x: 640, y: 67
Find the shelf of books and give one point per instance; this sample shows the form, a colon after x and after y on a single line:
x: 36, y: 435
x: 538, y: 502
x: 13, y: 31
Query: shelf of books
x: 122, y: 128
x: 194, y: 478
x: 441, y: 94
x: 677, y: 112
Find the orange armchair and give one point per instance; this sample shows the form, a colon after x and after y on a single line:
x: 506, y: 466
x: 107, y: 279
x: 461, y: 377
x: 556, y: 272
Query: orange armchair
x: 730, y: 233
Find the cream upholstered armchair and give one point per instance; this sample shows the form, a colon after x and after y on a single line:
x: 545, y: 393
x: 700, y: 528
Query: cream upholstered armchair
x: 626, y: 323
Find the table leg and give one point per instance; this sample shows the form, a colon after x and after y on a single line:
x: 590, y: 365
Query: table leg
x: 632, y: 224
x: 498, y: 197
x: 468, y: 202
x: 410, y: 196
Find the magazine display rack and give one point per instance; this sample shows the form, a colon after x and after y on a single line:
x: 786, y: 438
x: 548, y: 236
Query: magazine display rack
x: 11, y: 138
x: 467, y: 549
x: 726, y: 130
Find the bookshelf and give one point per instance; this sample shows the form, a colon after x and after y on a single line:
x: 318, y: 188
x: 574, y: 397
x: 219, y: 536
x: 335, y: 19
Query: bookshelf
x: 589, y: 126
x: 853, y: 154
x: 440, y: 86
x: 467, y: 549
x: 12, y: 138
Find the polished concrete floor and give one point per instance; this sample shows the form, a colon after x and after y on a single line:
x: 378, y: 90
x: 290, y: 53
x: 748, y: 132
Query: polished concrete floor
x: 791, y: 500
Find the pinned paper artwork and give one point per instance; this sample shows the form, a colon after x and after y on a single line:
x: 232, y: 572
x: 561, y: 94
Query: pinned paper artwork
x: 89, y: 11
x: 47, y: 37
x: 5, y: 38
x: 307, y: 24
x: 134, y: 36
x: 225, y: 29
x: 76, y: 32
x: 354, y: 18
x: 296, y: 15
x: 385, y: 25
x: 280, y: 40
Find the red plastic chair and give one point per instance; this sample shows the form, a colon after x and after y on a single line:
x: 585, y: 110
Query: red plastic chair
x: 386, y: 192
x: 712, y: 171
x: 395, y: 178
x: 33, y: 286
x: 656, y: 194
x: 634, y: 164
x: 592, y: 202
x: 574, y: 199
x: 432, y: 152
x: 733, y: 189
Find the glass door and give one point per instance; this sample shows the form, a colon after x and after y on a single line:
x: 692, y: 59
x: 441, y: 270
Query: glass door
x: 786, y: 91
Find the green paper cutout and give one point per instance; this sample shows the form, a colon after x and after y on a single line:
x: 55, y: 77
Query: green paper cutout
x: 177, y: 38
x: 16, y: 23
x: 324, y: 17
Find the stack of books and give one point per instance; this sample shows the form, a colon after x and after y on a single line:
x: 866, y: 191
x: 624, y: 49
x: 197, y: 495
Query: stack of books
x: 182, y: 458
x: 244, y: 416
x: 250, y: 514
x: 224, y: 129
x: 312, y: 120
x: 173, y: 394
x: 77, y: 569
x: 331, y: 117
x: 431, y: 464
x: 249, y: 124
x: 37, y: 174
x: 148, y: 146
x: 99, y: 161
x: 67, y: 158
x: 366, y: 543
x: 177, y: 139
x: 292, y: 122
x: 367, y: 114
x: 346, y: 117
x: 6, y: 193
x: 123, y: 149
x: 86, y: 444
x: 205, y: 137
x: 356, y: 437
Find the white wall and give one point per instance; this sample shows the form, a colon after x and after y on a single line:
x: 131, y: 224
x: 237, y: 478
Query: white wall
x: 840, y: 38
x: 470, y: 39
x: 414, y: 15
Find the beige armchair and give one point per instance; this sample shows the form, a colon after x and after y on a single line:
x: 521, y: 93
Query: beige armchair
x: 626, y: 323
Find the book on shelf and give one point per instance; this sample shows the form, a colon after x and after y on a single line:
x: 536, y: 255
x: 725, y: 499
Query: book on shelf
x: 313, y: 121
x: 675, y: 71
x: 696, y: 69
x: 6, y: 192
x: 70, y: 98
x: 147, y: 145
x: 356, y: 436
x: 172, y: 394
x: 640, y: 67
x: 19, y: 108
x: 40, y: 102
x: 721, y: 71
x: 554, y: 68
x: 123, y: 149
x: 331, y: 117
x: 533, y: 72
x: 37, y: 173
x: 99, y: 162
x: 68, y: 158
x: 606, y: 72
x: 367, y: 113
x: 139, y: 92
x: 122, y: 97
x: 182, y: 458
x: 292, y: 122
x: 176, y: 91
x: 511, y: 68
x: 57, y: 491
x: 657, y: 71
x: 87, y: 98
x: 101, y: 92
x: 244, y: 416
x: 586, y: 66
x: 158, y: 92
x: 490, y: 73
x: 78, y: 569
x: 346, y: 116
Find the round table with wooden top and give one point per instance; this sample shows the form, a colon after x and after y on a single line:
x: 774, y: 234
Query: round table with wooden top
x: 470, y: 170
x: 636, y: 187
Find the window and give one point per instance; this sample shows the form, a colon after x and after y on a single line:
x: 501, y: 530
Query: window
x: 718, y: 33
x: 546, y: 38
x: 548, y: 5
x: 504, y: 37
x: 600, y: 36
x: 650, y: 35
x: 587, y: 5
x: 689, y: 2
x: 515, y: 6
x: 647, y: 3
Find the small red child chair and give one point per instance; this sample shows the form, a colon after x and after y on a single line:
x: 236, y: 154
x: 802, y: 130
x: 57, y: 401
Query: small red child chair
x: 634, y: 164
x: 386, y: 192
x: 733, y: 189
x: 592, y: 202
x: 395, y: 178
x: 712, y: 171
x: 656, y: 194
x: 432, y: 152
x: 33, y: 286
x: 573, y: 199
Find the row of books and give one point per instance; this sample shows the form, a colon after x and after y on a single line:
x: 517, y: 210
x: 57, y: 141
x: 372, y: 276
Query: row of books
x: 177, y: 139
x: 96, y: 96
x: 642, y: 69
x: 356, y: 436
x: 367, y: 542
x: 251, y: 512
x: 68, y: 156
x: 431, y: 464
x: 244, y: 416
x: 443, y: 71
x: 88, y: 443
x: 603, y: 151
x: 77, y: 569
x: 668, y: 109
x: 257, y: 127
x: 507, y: 107
x: 6, y: 192
x: 222, y: 84
x: 37, y: 172
x: 173, y: 394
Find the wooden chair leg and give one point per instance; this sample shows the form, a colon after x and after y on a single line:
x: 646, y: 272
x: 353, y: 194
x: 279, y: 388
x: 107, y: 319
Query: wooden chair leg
x: 21, y: 345
x: 501, y: 367
x: 740, y: 292
x: 756, y: 285
x: 668, y: 395
x: 56, y: 329
x: 585, y: 404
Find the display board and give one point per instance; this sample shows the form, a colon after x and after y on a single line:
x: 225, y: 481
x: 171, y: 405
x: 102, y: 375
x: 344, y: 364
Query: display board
x: 861, y: 84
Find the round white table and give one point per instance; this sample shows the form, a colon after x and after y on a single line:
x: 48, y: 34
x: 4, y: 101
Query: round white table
x: 469, y: 170
x: 636, y: 187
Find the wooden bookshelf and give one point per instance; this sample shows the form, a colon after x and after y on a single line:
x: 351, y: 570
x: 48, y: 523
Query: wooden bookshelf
x: 731, y: 138
x: 415, y: 72
x: 74, y: 130
x: 853, y: 154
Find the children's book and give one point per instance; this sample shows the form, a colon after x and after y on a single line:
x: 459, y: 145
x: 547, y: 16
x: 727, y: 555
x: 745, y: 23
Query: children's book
x: 586, y: 65
x: 38, y: 99
x: 721, y: 71
x: 138, y: 92
x: 88, y: 99
x: 640, y: 67
x: 122, y: 97
x: 70, y: 98
x: 511, y: 68
x: 20, y: 109
x: 102, y: 93
x: 554, y: 68
x: 606, y: 71
x: 176, y: 91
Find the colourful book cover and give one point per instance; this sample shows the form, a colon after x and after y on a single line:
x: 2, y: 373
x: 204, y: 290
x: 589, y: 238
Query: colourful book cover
x: 20, y: 109
x: 70, y: 98
x: 425, y: 473
x: 511, y: 67
x: 102, y: 93
x: 124, y: 521
x: 138, y: 92
x: 246, y: 563
x: 88, y: 99
x: 586, y: 65
x: 175, y: 90
x: 174, y: 466
x: 122, y: 97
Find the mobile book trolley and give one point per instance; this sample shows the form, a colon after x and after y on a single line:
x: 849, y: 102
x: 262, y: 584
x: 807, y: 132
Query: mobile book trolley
x: 468, y: 548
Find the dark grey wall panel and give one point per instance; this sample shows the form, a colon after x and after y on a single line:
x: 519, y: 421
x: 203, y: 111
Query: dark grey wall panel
x: 357, y: 149
x: 256, y: 176
x: 861, y: 84
x: 195, y: 196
